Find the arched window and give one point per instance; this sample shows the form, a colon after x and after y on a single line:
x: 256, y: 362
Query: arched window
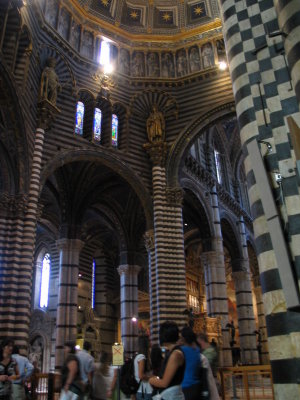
x: 97, y: 124
x: 93, y: 284
x: 45, y: 278
x: 114, y: 130
x: 79, y: 118
x: 218, y: 165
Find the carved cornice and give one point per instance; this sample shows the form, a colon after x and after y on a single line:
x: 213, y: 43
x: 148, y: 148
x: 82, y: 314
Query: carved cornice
x: 158, y: 152
x: 13, y: 203
x: 149, y: 240
x: 46, y: 114
x: 174, y: 196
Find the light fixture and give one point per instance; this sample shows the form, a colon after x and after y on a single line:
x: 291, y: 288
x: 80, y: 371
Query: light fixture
x: 222, y: 65
x: 79, y: 275
x: 133, y: 319
x: 185, y: 224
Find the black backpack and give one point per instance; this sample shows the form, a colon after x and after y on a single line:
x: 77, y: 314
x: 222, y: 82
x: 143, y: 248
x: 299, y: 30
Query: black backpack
x: 128, y: 383
x: 204, y: 387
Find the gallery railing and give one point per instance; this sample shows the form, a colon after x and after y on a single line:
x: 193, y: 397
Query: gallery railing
x: 246, y: 382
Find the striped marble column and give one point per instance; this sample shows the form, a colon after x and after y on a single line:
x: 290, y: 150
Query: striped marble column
x: 129, y: 306
x: 66, y: 317
x: 149, y: 242
x: 100, y: 305
x: 13, y: 323
x: 216, y: 297
x: 264, y: 351
x: 264, y: 98
x: 244, y: 303
x: 169, y: 242
x: 289, y: 24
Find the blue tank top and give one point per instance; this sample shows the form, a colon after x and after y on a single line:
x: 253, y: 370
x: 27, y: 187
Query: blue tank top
x: 192, y: 365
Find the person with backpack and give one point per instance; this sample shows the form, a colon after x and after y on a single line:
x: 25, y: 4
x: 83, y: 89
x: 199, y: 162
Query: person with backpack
x: 128, y: 384
x: 198, y: 382
x: 172, y: 373
x: 144, y: 391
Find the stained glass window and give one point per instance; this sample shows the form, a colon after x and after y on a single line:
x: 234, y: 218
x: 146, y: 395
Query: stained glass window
x: 218, y: 164
x: 45, y: 281
x: 93, y: 283
x: 79, y: 118
x: 114, y: 130
x: 97, y: 124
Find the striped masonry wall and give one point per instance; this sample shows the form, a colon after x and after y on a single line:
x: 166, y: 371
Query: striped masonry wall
x: 66, y: 319
x: 129, y: 307
x: 289, y: 23
x: 263, y: 98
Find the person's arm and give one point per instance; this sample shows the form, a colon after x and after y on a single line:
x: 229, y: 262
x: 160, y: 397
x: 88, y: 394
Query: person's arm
x: 16, y: 376
x: 175, y: 361
x: 113, y: 383
x: 28, y: 370
x: 141, y: 370
x: 213, y: 391
x: 73, y: 369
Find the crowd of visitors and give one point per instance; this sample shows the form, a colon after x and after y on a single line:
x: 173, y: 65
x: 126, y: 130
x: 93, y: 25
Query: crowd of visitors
x: 182, y: 367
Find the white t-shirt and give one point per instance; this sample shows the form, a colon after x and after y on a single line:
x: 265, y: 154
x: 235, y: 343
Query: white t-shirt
x: 145, y: 386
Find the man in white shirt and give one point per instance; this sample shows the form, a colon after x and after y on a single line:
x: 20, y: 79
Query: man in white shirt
x: 86, y: 363
x: 25, y: 370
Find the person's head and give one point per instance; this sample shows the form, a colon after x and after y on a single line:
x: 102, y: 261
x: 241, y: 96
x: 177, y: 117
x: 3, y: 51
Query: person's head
x: 188, y: 335
x: 104, y: 357
x: 16, y: 349
x: 202, y: 340
x: 168, y: 333
x: 70, y: 348
x: 87, y: 346
x: 6, y: 348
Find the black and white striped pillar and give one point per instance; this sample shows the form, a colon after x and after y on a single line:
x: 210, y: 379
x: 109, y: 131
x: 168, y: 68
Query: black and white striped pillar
x: 66, y: 317
x: 149, y: 243
x: 129, y: 307
x: 262, y: 328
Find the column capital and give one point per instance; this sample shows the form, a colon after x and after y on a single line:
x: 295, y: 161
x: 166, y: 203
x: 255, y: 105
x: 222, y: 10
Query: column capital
x: 13, y: 203
x: 149, y: 240
x: 46, y: 113
x: 129, y: 269
x: 65, y: 244
x: 157, y: 152
x: 174, y: 196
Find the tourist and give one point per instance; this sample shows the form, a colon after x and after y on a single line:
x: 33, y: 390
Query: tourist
x: 169, y: 382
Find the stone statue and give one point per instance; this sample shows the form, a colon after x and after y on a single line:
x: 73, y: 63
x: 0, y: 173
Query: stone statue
x: 50, y: 85
x: 155, y: 125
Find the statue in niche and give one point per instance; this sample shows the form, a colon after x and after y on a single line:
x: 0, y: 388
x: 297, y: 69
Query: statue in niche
x: 167, y: 65
x: 207, y: 55
x: 75, y: 35
x: 63, y: 24
x: 52, y: 12
x: 50, y: 85
x: 181, y: 63
x: 153, y: 65
x: 194, y: 59
x: 155, y: 125
x: 124, y: 61
x: 138, y: 68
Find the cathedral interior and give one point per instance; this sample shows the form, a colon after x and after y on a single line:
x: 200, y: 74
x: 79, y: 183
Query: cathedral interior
x: 149, y: 172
